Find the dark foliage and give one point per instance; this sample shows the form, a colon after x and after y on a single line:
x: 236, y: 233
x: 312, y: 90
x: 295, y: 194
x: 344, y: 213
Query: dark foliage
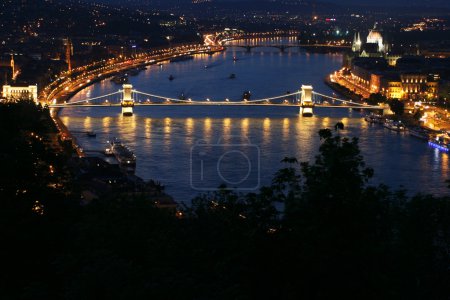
x: 397, y: 106
x: 374, y: 99
x: 337, y: 236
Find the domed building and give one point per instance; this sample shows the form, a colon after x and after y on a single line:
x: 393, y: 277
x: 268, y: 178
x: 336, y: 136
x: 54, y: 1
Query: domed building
x: 375, y: 37
x: 375, y: 46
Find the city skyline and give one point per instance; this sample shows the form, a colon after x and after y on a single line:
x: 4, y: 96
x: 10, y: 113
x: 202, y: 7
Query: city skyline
x: 224, y: 149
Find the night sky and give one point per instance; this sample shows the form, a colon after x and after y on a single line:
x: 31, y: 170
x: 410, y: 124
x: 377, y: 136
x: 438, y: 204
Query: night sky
x: 406, y: 3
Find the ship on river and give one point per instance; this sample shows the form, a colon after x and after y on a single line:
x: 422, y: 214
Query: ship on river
x: 124, y: 156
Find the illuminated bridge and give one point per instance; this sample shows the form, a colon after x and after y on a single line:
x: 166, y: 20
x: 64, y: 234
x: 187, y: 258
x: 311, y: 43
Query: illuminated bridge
x: 283, y: 47
x: 128, y: 98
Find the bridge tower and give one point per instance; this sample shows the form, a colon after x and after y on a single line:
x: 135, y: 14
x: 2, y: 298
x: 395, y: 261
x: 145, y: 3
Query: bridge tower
x: 306, y: 103
x: 127, y: 100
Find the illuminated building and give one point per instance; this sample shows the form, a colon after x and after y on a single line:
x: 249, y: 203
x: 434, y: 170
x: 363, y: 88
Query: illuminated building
x: 375, y: 46
x: 356, y: 46
x: 20, y: 92
x: 374, y: 75
x: 69, y: 53
x: 375, y: 37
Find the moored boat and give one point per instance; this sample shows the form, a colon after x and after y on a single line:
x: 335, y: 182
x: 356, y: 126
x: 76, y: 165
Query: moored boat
x: 125, y: 157
x: 374, y: 118
x: 441, y: 142
x: 394, y: 125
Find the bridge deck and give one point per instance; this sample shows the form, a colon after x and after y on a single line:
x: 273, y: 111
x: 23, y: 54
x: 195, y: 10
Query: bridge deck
x: 213, y: 104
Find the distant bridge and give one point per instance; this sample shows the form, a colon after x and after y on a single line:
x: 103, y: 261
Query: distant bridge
x: 283, y: 47
x: 127, y: 98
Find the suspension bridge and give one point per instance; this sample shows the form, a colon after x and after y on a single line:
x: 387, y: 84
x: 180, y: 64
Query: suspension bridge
x: 128, y: 98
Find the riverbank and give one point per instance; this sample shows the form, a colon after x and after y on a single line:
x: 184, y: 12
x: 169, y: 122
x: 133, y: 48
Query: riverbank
x: 85, y: 164
x: 341, y: 90
x: 65, y: 91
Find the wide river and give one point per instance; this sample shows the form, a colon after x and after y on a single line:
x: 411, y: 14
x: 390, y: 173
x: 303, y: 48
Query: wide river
x: 191, y: 149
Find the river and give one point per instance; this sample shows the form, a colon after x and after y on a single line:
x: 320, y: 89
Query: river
x: 194, y: 149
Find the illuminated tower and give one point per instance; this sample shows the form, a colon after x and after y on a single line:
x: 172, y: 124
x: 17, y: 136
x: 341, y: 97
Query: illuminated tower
x: 69, y: 52
x: 13, y: 68
x: 356, y: 46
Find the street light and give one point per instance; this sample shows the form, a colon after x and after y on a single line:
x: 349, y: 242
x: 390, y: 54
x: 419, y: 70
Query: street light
x: 169, y: 38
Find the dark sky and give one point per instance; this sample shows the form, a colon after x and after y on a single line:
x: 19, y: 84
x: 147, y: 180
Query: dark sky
x: 406, y: 3
x: 393, y: 2
x: 364, y: 2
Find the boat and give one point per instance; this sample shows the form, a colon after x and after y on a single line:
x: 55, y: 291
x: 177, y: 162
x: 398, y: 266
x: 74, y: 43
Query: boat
x: 91, y: 134
x: 125, y: 157
x: 232, y: 76
x: 181, y: 58
x: 394, y: 125
x: 120, y: 79
x: 374, y: 118
x: 441, y: 142
x: 419, y: 133
x: 171, y: 77
x: 235, y: 58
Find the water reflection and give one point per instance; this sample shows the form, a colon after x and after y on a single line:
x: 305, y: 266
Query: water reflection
x: 445, y: 164
x: 245, y: 127
x: 189, y: 130
x: 148, y: 128
x: 87, y: 124
x: 170, y: 132
x: 286, y: 125
x: 207, y: 130
x: 266, y: 130
x: 167, y: 126
x: 226, y: 128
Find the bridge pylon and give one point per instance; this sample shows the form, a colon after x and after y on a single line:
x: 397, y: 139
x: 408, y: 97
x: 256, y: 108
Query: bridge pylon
x: 306, y: 103
x: 127, y: 102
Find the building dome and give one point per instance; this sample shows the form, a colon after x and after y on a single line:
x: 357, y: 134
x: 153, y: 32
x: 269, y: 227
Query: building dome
x: 375, y: 37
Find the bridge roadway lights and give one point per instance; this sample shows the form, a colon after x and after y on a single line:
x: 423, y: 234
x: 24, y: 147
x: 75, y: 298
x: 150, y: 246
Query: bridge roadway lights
x: 306, y: 103
x: 127, y: 100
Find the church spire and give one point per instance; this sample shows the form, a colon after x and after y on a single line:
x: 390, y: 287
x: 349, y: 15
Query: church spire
x: 356, y: 46
x: 13, y: 66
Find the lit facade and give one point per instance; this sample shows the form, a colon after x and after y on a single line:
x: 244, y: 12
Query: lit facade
x: 375, y: 46
x: 394, y: 85
x: 20, y: 92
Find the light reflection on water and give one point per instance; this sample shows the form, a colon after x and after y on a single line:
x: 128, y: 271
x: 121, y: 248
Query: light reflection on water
x: 163, y: 137
x: 163, y: 146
